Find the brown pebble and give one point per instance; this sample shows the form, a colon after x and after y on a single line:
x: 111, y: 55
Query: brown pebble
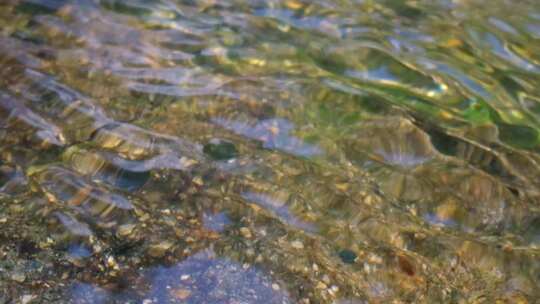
x: 181, y: 294
x: 246, y: 232
x: 405, y: 265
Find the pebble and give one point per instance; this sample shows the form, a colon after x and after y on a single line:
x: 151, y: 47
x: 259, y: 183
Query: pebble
x: 326, y: 279
x: 321, y: 285
x: 259, y: 259
x: 250, y: 252
x: 294, y: 5
x: 375, y: 259
x: 27, y: 298
x: 246, y: 232
x: 198, y: 181
x: 158, y: 250
x: 367, y: 268
x: 347, y: 256
x: 369, y: 200
x: 332, y: 291
x: 111, y: 262
x: 126, y: 229
x: 297, y: 244
x: 181, y: 294
x: 18, y: 277
x: 220, y: 150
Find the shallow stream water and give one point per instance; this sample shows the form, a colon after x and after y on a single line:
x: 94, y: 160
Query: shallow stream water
x: 280, y: 151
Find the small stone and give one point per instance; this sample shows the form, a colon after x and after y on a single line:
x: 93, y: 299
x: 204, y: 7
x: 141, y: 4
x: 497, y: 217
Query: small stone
x: 259, y: 259
x: 342, y: 187
x: 375, y: 259
x: 220, y: 150
x: 198, y: 181
x: 185, y: 277
x: 181, y: 294
x: 447, y: 211
x: 27, y: 298
x: 406, y: 265
x: 326, y: 279
x: 18, y: 277
x: 297, y: 244
x: 250, y: 252
x: 332, y: 291
x: 158, y: 250
x: 321, y: 285
x: 246, y: 232
x: 367, y: 268
x: 186, y: 162
x: 420, y: 236
x: 275, y: 287
x: 126, y: 229
x: 347, y: 256
x: 293, y: 4
x: 397, y: 240
x: 97, y: 248
x: 368, y: 200
x: 111, y: 262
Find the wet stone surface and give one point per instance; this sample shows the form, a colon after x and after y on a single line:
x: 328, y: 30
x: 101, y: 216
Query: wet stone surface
x: 269, y: 152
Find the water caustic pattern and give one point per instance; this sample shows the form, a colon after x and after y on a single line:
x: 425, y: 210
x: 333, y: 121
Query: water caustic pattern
x: 280, y: 151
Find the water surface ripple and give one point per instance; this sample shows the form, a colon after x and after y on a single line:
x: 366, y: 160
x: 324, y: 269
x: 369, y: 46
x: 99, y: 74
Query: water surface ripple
x: 283, y: 151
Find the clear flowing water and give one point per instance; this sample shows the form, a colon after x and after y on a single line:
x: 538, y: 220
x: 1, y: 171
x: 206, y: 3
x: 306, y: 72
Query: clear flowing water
x: 345, y: 151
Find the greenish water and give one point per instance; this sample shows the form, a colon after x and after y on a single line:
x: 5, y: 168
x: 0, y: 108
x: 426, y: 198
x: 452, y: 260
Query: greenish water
x: 347, y: 151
